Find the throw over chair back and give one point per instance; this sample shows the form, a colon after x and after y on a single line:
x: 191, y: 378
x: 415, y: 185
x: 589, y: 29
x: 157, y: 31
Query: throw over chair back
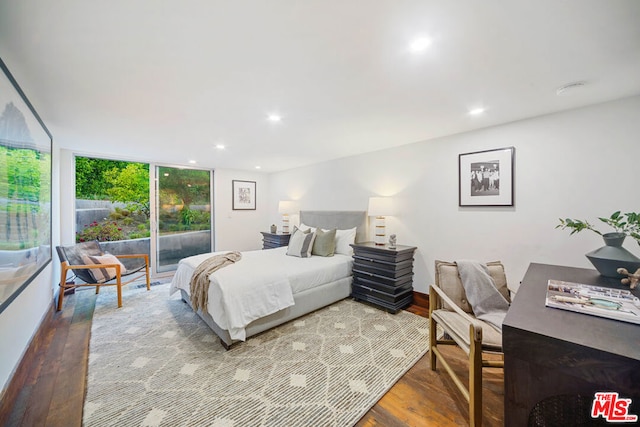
x: 94, y: 267
x: 450, y: 309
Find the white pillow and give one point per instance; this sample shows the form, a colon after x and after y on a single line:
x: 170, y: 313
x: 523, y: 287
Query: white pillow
x: 344, y: 238
x: 305, y: 227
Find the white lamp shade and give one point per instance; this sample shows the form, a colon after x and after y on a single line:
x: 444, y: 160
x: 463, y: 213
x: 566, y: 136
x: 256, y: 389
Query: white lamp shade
x: 287, y: 207
x: 381, y: 206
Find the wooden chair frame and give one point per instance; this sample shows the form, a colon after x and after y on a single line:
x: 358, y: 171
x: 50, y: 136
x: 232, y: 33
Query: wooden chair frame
x: 472, y: 393
x: 65, y: 267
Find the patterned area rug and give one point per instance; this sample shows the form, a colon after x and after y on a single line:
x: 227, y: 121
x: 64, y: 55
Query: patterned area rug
x: 156, y: 363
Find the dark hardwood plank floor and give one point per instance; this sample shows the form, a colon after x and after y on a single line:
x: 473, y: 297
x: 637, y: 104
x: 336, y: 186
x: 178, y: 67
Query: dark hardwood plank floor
x: 51, y: 390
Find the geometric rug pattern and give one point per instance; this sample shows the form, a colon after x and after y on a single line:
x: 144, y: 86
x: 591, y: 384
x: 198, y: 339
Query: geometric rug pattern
x: 154, y: 362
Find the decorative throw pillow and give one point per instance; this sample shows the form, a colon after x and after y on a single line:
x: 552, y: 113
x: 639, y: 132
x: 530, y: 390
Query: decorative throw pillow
x: 301, y: 243
x: 344, y: 238
x: 102, y: 275
x: 324, y: 243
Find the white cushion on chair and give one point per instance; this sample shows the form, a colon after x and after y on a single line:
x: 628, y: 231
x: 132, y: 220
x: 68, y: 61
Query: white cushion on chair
x: 458, y: 327
x: 102, y: 275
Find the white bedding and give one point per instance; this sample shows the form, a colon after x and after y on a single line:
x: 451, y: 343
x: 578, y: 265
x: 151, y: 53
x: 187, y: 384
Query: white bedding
x: 261, y: 283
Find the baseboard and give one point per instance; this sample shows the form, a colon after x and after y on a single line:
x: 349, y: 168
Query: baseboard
x: 421, y: 300
x: 20, y: 376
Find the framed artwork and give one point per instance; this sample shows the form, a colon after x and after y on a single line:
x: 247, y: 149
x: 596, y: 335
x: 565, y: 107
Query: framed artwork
x: 486, y: 177
x: 25, y: 191
x: 244, y: 195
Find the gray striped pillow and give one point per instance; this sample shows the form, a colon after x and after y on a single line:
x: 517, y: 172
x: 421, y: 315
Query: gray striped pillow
x: 301, y: 243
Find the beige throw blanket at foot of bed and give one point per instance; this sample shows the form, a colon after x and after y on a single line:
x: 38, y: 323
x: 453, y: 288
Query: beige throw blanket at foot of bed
x: 199, y: 285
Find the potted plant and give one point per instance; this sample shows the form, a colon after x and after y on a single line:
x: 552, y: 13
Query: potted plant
x: 611, y: 256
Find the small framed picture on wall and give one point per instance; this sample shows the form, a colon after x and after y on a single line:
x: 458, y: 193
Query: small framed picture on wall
x: 486, y: 177
x: 244, y: 195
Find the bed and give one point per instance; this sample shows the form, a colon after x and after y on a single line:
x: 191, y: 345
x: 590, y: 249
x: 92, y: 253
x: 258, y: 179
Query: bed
x: 313, y: 282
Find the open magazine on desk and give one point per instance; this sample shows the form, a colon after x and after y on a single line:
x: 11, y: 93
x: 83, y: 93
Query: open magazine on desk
x: 618, y: 304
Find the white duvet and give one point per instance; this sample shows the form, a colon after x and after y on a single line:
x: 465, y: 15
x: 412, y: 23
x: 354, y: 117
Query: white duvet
x: 261, y: 283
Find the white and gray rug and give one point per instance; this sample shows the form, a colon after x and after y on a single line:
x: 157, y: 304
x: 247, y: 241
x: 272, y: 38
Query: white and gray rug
x: 155, y: 363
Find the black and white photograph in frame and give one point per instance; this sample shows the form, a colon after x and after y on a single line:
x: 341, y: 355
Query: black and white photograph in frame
x: 244, y: 195
x: 486, y: 177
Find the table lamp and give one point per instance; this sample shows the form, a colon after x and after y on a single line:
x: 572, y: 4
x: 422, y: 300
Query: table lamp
x: 285, y: 208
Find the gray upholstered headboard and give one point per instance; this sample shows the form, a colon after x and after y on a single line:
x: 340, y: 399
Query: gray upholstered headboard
x: 341, y: 220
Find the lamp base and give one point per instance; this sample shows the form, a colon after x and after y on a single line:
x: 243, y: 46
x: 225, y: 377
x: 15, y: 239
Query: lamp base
x: 380, y: 236
x: 285, y: 224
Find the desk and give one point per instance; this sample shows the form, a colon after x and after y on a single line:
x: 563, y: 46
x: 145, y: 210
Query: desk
x: 552, y: 352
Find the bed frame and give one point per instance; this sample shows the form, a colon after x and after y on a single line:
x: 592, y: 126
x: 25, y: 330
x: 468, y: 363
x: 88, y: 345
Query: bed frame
x: 311, y: 299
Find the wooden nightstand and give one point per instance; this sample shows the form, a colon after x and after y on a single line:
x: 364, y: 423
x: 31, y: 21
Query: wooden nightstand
x: 383, y: 276
x: 274, y: 240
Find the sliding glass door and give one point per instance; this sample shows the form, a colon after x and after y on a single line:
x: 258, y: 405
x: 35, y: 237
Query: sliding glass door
x: 182, y: 214
x: 169, y: 219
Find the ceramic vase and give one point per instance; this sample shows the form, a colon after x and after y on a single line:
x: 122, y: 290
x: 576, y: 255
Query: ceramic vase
x: 612, y: 256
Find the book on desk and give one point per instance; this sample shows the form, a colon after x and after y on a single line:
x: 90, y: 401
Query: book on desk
x: 617, y: 304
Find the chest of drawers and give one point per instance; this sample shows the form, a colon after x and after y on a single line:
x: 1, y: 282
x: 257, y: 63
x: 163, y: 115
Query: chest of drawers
x: 274, y: 240
x: 383, y: 276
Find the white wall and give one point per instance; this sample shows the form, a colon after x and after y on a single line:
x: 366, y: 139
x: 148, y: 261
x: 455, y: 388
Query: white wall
x: 240, y: 229
x: 577, y: 164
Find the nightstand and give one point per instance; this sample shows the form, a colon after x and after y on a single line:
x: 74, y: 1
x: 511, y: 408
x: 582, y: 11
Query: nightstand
x: 274, y: 240
x: 383, y: 276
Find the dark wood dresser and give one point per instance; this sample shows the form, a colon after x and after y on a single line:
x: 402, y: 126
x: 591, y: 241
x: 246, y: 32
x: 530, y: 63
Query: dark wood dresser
x: 383, y: 276
x: 557, y: 360
x: 274, y: 240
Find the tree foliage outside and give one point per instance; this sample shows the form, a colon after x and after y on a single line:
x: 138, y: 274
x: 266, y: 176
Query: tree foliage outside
x: 115, y: 181
x: 180, y: 190
x: 90, y: 184
x: 130, y: 185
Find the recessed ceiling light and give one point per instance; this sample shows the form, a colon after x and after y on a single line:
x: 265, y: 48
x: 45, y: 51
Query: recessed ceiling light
x: 193, y: 162
x: 420, y: 44
x: 258, y: 167
x: 220, y: 146
x: 476, y: 111
x: 274, y: 117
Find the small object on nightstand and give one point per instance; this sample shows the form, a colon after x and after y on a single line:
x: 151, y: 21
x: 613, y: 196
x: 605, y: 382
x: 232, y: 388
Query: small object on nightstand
x: 274, y: 240
x: 382, y: 275
x: 274, y: 229
x: 392, y: 241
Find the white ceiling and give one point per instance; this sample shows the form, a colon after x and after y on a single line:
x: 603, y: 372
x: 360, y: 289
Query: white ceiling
x: 167, y: 80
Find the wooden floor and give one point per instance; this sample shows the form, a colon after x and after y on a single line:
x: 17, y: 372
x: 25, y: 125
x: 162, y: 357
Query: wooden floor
x: 48, y: 388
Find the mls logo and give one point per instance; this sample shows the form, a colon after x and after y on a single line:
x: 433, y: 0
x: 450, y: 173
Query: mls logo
x: 612, y: 408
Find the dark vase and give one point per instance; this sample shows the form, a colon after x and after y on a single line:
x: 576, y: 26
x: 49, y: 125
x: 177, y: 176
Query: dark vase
x: 612, y: 256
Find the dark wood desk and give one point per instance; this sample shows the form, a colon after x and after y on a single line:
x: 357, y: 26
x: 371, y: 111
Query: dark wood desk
x: 553, y: 352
